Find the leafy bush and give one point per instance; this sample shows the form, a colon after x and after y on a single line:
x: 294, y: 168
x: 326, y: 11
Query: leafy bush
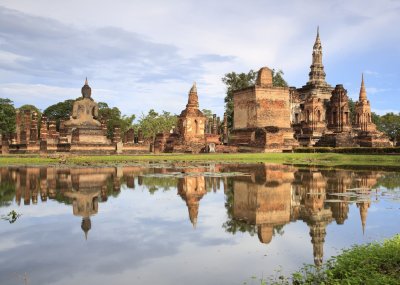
x: 374, y: 263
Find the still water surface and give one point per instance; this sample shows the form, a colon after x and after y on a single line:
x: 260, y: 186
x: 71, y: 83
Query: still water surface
x: 211, y: 224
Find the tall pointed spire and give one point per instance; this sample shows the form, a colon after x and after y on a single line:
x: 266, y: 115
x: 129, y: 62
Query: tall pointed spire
x: 317, y: 39
x: 86, y: 82
x: 317, y: 73
x: 363, y: 92
x: 193, y: 100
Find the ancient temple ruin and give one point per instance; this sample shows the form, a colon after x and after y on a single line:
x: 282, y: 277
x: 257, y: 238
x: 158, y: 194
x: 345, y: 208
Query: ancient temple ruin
x: 81, y: 133
x: 262, y: 116
x: 194, y: 132
x: 268, y: 118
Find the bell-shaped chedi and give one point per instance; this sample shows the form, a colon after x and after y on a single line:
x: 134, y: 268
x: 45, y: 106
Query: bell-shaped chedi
x: 368, y: 135
x: 363, y: 120
x: 191, y: 121
x: 264, y: 77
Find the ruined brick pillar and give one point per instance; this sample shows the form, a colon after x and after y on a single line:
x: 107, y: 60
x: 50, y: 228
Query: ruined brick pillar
x: 140, y: 136
x: 4, y: 144
x: 210, y: 124
x: 225, y: 128
x: 218, y: 125
x: 18, y: 122
x: 22, y: 136
x: 52, y: 133
x: 63, y: 133
x: 104, y: 127
x: 214, y: 124
x: 206, y: 127
x: 43, y: 128
x: 27, y: 124
x: 130, y: 136
x: 116, y: 135
x: 33, y: 137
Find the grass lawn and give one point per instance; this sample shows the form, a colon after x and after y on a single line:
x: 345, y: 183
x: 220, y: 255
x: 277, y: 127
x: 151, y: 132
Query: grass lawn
x: 300, y: 159
x: 374, y: 263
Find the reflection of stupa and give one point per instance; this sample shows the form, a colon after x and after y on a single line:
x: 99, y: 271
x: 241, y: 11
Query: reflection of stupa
x: 363, y: 206
x: 191, y: 190
x: 274, y: 195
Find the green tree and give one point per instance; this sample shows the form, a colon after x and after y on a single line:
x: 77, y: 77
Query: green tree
x: 154, y: 123
x: 208, y: 113
x: 390, y: 125
x: 7, y: 116
x: 30, y: 108
x: 59, y: 111
x: 114, y: 119
x: 376, y: 119
x: 277, y: 79
x: 352, y: 109
x: 236, y: 81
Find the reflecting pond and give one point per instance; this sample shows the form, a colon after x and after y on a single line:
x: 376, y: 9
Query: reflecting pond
x: 182, y: 224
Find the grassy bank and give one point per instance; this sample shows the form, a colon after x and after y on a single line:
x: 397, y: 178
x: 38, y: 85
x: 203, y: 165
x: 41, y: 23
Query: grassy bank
x: 300, y: 159
x: 375, y: 263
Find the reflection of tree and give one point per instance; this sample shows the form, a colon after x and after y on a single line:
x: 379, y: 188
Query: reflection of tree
x: 155, y: 183
x: 11, y: 217
x: 234, y: 225
x: 7, y: 192
x: 390, y: 180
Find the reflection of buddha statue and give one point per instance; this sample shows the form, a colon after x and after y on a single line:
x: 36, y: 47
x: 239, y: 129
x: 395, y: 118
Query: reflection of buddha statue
x: 85, y: 111
x: 85, y: 204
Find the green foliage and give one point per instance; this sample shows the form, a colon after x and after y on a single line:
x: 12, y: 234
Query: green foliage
x: 114, y: 119
x: 376, y: 119
x: 154, y: 123
x: 207, y: 113
x: 11, y: 217
x: 155, y: 183
x: 352, y: 109
x: 374, y: 263
x: 59, y: 111
x: 235, y: 81
x: 390, y: 125
x: 30, y: 108
x: 277, y: 79
x: 7, y: 116
x: 351, y: 150
x: 7, y: 191
x: 389, y: 180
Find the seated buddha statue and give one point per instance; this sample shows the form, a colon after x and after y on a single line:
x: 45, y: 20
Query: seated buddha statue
x: 85, y: 110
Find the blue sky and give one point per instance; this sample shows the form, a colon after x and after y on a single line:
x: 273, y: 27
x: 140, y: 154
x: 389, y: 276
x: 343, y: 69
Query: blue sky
x: 139, y: 55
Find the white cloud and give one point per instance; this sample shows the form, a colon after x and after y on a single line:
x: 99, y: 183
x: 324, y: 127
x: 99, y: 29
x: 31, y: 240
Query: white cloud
x: 147, y: 53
